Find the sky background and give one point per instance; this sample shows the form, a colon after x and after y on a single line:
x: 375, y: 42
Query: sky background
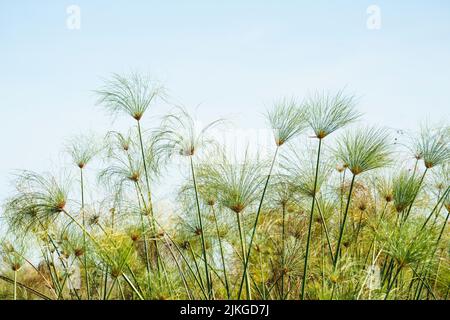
x: 232, y: 58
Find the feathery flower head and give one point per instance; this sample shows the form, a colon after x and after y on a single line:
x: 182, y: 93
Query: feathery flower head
x: 178, y: 134
x: 283, y: 189
x: 12, y: 254
x: 364, y: 150
x: 82, y: 150
x: 302, y: 170
x: 38, y: 198
x: 287, y: 120
x: 404, y: 189
x: 433, y: 146
x: 385, y: 188
x: 131, y: 94
x: 118, y: 141
x: 407, y: 245
x: 237, y: 184
x: 328, y: 113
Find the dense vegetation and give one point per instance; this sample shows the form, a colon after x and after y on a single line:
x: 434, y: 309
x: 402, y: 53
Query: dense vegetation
x: 333, y: 213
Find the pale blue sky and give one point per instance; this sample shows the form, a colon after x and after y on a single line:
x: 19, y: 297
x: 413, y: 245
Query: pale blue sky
x: 233, y: 57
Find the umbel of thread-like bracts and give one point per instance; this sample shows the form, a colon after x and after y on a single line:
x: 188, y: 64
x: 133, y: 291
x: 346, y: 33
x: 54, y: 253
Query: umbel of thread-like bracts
x: 339, y: 210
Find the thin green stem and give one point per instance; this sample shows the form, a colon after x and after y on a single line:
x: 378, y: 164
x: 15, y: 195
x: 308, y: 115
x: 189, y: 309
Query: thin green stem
x: 374, y: 237
x: 311, y: 216
x: 200, y: 221
x: 94, y: 241
x: 86, y: 273
x: 258, y: 213
x: 415, y: 196
x: 121, y: 290
x: 31, y: 290
x: 283, y: 248
x: 147, y: 180
x: 105, y: 283
x: 341, y: 232
x: 133, y: 287
x: 200, y: 278
x: 341, y: 197
x: 441, y: 199
x: 144, y: 236
x: 243, y: 250
x: 391, y: 284
x: 327, y: 234
x: 198, y: 281
x: 227, y: 287
x: 15, y: 285
x: 40, y: 273
x: 111, y: 288
x: 183, y: 277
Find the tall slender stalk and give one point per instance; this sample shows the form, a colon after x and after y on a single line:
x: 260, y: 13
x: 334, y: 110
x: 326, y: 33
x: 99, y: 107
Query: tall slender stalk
x: 341, y: 231
x: 149, y: 194
x: 440, y: 199
x: 392, y: 282
x: 283, y: 248
x: 243, y: 250
x: 372, y: 243
x: 180, y: 270
x: 144, y: 234
x: 197, y: 280
x: 311, y: 215
x: 258, y: 213
x: 415, y: 196
x: 227, y: 287
x: 113, y: 285
x: 427, y: 268
x: 31, y: 290
x: 86, y: 272
x: 341, y: 196
x: 94, y: 241
x: 105, y: 282
x: 15, y: 285
x: 324, y: 227
x: 200, y: 221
